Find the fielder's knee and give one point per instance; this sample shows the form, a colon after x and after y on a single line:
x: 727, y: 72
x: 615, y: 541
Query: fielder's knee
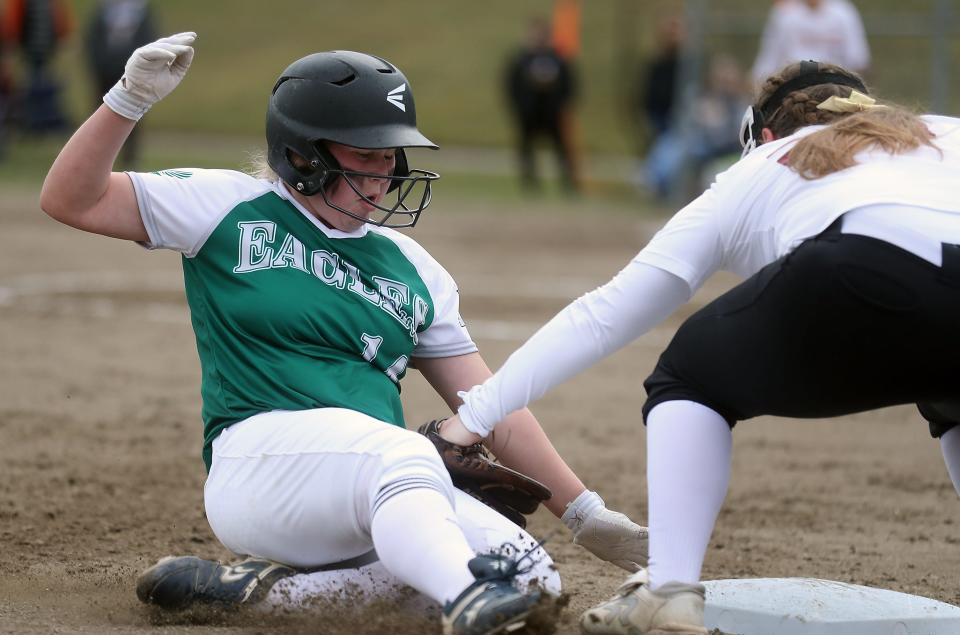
x: 666, y: 384
x: 942, y: 416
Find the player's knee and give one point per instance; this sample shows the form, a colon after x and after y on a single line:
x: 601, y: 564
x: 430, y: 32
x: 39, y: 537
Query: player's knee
x: 413, y: 462
x: 942, y: 416
x: 418, y: 452
x: 666, y: 383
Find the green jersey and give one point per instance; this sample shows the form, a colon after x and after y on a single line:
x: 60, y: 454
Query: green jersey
x: 288, y: 313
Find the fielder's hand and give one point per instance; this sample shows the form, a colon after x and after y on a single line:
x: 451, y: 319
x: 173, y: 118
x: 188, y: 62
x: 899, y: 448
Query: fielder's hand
x: 607, y: 534
x: 151, y: 73
x: 471, y: 469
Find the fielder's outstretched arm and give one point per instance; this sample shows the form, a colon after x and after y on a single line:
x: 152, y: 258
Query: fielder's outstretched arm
x: 81, y: 189
x: 586, y: 331
x: 520, y: 443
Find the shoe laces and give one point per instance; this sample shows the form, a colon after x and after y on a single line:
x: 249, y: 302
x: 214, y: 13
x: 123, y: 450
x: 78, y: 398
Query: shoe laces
x: 500, y: 556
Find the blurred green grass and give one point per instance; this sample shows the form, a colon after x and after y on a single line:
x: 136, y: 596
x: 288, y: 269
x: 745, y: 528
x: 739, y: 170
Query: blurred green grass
x: 468, y: 176
x: 453, y: 52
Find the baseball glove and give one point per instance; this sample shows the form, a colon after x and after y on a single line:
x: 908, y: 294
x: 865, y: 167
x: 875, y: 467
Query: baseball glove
x: 473, y: 471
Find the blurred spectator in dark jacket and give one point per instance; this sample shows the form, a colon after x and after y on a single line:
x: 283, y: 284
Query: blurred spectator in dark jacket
x: 115, y: 30
x: 38, y: 28
x: 683, y: 158
x: 658, y: 83
x: 540, y: 87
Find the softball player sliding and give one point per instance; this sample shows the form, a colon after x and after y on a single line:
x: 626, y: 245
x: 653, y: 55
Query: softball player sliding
x: 308, y: 309
x: 849, y: 236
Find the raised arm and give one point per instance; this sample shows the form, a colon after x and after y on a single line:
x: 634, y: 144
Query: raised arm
x: 81, y: 190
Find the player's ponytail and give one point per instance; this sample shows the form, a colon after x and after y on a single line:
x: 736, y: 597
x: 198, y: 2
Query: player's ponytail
x: 257, y: 166
x: 893, y: 130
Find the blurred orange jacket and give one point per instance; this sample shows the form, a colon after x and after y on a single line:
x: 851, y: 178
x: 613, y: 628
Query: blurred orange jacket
x: 14, y: 20
x: 566, y: 28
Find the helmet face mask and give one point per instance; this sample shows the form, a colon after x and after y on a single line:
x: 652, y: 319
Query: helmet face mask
x: 749, y: 137
x: 410, y: 195
x: 355, y: 100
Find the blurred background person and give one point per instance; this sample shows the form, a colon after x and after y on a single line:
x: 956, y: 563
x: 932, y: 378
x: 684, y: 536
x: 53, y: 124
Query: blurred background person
x: 115, y: 29
x: 655, y: 96
x: 38, y: 28
x: 6, y: 87
x: 566, y: 42
x: 658, y: 78
x: 683, y: 160
x: 717, y: 114
x: 823, y: 30
x: 540, y: 87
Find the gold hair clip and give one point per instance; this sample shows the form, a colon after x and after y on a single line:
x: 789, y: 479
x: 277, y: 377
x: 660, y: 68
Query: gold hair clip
x: 856, y: 102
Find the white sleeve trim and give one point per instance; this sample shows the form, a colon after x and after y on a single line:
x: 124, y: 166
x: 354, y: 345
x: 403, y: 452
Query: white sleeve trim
x: 454, y: 350
x: 155, y: 238
x: 669, y: 264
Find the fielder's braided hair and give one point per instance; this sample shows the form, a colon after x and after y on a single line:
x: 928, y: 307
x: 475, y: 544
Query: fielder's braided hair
x: 892, y: 129
x: 799, y: 108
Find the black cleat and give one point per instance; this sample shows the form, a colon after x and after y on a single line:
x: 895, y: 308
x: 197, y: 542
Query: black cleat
x: 180, y: 582
x: 491, y: 605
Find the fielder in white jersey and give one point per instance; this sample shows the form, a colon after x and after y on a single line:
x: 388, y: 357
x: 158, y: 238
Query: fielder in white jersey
x: 308, y: 310
x: 849, y: 236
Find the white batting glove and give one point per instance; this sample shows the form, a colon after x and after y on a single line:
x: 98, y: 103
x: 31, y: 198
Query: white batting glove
x: 151, y: 73
x: 607, y: 534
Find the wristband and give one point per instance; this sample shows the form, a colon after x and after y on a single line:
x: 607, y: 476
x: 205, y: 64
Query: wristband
x: 580, y: 508
x: 120, y: 101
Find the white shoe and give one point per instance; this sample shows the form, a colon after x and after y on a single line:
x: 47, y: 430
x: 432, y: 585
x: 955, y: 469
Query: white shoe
x: 673, y: 609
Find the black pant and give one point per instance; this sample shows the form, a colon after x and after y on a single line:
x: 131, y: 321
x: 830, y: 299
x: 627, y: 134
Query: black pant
x: 551, y: 128
x: 842, y: 324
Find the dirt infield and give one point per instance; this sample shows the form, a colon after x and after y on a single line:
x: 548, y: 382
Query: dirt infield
x: 100, y: 432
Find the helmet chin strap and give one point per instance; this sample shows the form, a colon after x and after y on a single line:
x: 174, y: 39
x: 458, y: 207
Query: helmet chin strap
x: 308, y: 202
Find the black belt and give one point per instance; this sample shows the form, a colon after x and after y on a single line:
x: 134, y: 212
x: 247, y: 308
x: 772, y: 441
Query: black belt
x: 353, y: 563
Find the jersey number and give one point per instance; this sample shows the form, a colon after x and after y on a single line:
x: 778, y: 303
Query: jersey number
x: 371, y: 344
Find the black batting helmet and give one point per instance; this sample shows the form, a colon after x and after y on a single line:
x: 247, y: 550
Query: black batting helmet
x: 356, y: 100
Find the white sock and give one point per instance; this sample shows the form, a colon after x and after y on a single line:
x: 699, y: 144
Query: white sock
x: 688, y: 468
x: 950, y: 445
x: 418, y: 539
